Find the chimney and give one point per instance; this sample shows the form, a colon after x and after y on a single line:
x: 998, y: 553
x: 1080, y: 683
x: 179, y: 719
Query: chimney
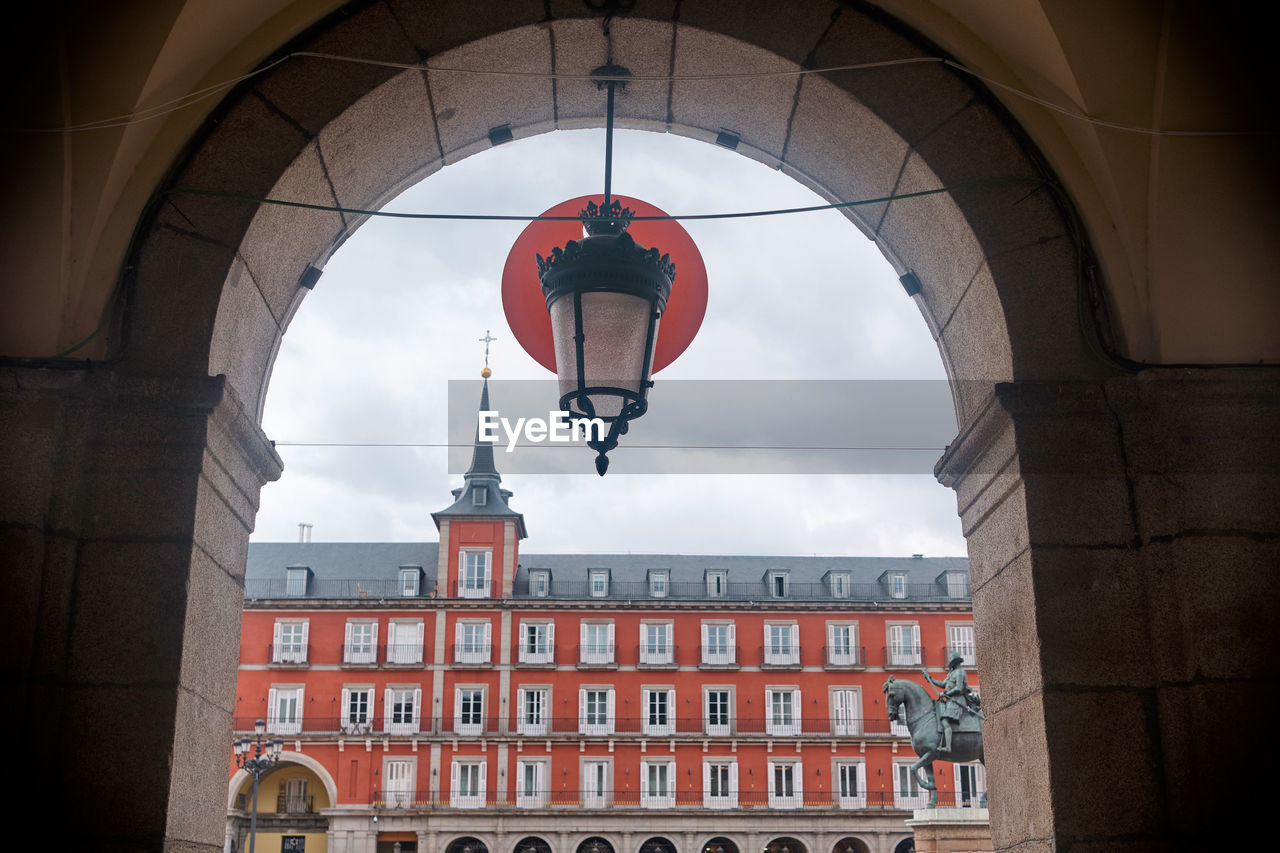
x: 304, y: 531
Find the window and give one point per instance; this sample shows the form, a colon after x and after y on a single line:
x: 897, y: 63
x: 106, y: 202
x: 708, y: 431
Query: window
x: 841, y: 645
x: 284, y: 710
x: 596, y: 784
x: 957, y: 584
x: 898, y: 584
x: 657, y: 781
x: 357, y: 710
x: 480, y: 496
x: 658, y: 704
x: 398, y: 781
x: 783, y: 707
x: 596, y: 640
x: 655, y: 643
x: 906, y: 788
x: 851, y: 785
x: 839, y: 583
x: 659, y: 582
x: 296, y: 581
x: 595, y: 710
x: 410, y: 580
x: 289, y: 644
x: 403, y: 710
x: 531, y: 710
x: 404, y: 642
x: 474, y: 582
x: 778, y: 584
x: 960, y: 639
x: 904, y: 645
x: 360, y: 645
x: 782, y: 644
x: 844, y: 711
x: 540, y: 584
x: 472, y: 641
x: 717, y: 584
x: 718, y: 647
x: 531, y: 784
x: 537, y: 642
x: 295, y: 795
x: 599, y: 579
x: 468, y: 711
x: 719, y: 783
x: 784, y: 785
x: 467, y: 783
x: 719, y: 711
x: 971, y: 784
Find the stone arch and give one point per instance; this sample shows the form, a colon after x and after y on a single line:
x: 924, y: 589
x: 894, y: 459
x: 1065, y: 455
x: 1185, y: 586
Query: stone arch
x: 469, y: 844
x: 595, y: 843
x: 905, y: 845
x: 787, y: 844
x: 850, y: 844
x: 710, y: 844
x: 532, y: 844
x: 302, y: 760
x: 658, y: 844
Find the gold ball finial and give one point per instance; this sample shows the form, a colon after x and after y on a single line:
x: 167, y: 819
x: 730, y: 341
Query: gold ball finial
x: 486, y: 373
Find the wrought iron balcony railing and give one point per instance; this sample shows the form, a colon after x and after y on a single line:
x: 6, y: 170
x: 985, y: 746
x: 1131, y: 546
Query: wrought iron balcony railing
x: 690, y: 799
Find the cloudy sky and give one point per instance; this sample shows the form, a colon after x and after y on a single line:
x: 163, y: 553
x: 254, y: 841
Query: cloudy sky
x: 401, y: 305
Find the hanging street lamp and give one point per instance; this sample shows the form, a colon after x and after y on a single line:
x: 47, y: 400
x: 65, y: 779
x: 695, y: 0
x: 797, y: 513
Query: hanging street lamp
x: 606, y: 294
x: 257, y: 758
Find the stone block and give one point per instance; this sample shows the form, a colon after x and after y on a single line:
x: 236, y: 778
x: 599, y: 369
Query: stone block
x: 1078, y: 510
x: 381, y: 144
x: 200, y: 760
x: 247, y: 330
x: 42, y: 644
x: 997, y: 536
x: 211, y: 644
x: 1009, y: 638
x: 223, y: 522
x: 128, y: 613
x: 641, y: 46
x: 476, y: 103
x: 973, y: 335
x: 1018, y: 779
x: 32, y: 425
x: 435, y: 26
x: 791, y: 32
x: 314, y: 91
x: 756, y: 109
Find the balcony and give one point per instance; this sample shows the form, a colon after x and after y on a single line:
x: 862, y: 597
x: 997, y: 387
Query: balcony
x: 969, y: 652
x: 476, y: 655
x: 684, y: 800
x: 719, y: 657
x: 535, y: 656
x: 780, y: 657
x: 288, y: 654
x: 656, y: 657
x: 844, y: 657
x: 403, y: 654
x: 903, y: 657
x: 295, y: 804
x: 597, y: 657
x: 362, y: 654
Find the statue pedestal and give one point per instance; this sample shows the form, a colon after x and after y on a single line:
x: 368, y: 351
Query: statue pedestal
x: 951, y: 830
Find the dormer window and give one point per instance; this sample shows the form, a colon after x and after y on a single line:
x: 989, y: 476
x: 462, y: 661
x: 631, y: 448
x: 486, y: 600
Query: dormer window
x: 659, y: 581
x: 898, y: 584
x: 839, y: 584
x: 599, y: 583
x: 957, y: 584
x: 540, y: 583
x: 480, y: 496
x: 778, y: 584
x: 410, y: 580
x: 717, y: 584
x: 296, y: 580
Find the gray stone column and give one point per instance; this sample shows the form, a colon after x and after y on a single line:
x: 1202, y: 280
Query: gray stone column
x: 1123, y: 538
x: 125, y: 510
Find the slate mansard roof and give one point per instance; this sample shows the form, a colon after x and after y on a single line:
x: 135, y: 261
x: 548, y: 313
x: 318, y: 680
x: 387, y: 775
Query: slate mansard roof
x: 339, y: 570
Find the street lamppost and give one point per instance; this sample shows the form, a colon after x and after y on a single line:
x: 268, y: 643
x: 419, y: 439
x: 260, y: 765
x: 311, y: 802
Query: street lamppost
x: 256, y: 758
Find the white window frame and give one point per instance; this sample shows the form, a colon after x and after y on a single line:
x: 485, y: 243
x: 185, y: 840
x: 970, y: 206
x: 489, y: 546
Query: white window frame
x: 404, y: 653
x: 285, y: 724
x: 470, y: 583
x: 787, y: 652
x: 410, y: 581
x: 720, y: 799
x: 907, y: 793
x: 960, y: 639
x: 776, y: 700
x: 539, y: 653
x: 473, y: 641
x: 661, y: 652
x: 659, y: 583
x: 839, y: 584
x: 363, y: 724
x: 897, y: 582
x: 717, y: 583
x: 476, y: 771
x: 842, y: 653
x: 652, y: 770
x: 469, y: 728
x: 653, y: 699
x: 588, y: 722
x: 598, y: 583
x: 527, y: 698
x: 479, y: 495
x: 399, y: 769
x: 904, y: 644
x: 976, y: 783
x: 392, y: 707
x: 784, y: 799
x: 776, y: 576
x: 367, y: 653
x: 291, y: 651
x: 589, y: 652
x: 844, y: 771
x: 957, y: 584
x: 718, y: 729
x: 846, y: 708
x: 597, y: 786
x: 540, y: 771
x: 727, y: 657
x: 296, y: 582
x: 540, y: 584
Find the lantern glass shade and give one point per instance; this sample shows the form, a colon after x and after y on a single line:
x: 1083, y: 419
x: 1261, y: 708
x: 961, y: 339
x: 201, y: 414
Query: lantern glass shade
x: 260, y: 727
x: 616, y: 351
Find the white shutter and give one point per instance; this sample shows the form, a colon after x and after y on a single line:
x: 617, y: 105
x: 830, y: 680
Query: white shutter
x: 306, y: 633
x: 915, y: 653
x: 610, y: 712
x: 417, y: 657
x: 671, y: 711
x: 798, y: 769
x: 273, y: 709
x: 458, y: 655
x: 276, y: 656
x: 487, y: 652
x: 482, y: 788
x: 373, y: 640
x: 798, y: 711
x: 582, y: 710
x: 705, y: 643
x: 733, y: 643
x: 417, y: 710
x: 706, y: 774
x: 611, y: 651
x: 345, y: 710
x: 733, y: 782
x: 347, y: 656
x: 644, y: 648
x: 771, y: 772
x: 519, y: 715
x: 453, y: 782
x: 582, y: 640
x: 457, y: 709
x: 386, y: 710
x: 551, y: 645
x: 795, y: 644
x: 862, y: 779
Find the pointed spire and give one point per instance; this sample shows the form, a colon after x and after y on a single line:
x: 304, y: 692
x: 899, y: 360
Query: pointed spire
x: 482, y: 464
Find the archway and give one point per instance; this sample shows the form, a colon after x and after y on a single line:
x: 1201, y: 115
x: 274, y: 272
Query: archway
x: 467, y: 844
x: 849, y: 844
x: 720, y: 844
x: 595, y: 844
x: 906, y: 845
x: 531, y: 844
x: 786, y: 844
x: 658, y: 844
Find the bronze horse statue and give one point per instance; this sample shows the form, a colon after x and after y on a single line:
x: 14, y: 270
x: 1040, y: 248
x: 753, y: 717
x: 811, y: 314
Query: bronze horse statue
x: 922, y: 720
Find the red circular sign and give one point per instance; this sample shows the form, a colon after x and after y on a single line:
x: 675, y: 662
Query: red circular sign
x: 526, y: 308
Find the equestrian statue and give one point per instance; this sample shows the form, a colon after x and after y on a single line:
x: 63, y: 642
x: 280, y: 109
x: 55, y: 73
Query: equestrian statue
x: 948, y: 728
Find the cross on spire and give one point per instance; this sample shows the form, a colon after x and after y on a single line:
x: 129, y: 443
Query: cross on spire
x: 486, y: 340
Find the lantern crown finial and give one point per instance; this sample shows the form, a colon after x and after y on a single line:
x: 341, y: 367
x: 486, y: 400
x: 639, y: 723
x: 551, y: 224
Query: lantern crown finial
x: 611, y: 218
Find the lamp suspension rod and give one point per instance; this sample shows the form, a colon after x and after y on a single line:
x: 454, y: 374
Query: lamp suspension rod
x: 608, y: 147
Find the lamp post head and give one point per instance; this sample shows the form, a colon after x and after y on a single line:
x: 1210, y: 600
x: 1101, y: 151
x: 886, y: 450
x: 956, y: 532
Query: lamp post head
x: 260, y: 727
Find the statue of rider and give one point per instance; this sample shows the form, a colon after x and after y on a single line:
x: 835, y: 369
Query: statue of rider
x: 951, y: 704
